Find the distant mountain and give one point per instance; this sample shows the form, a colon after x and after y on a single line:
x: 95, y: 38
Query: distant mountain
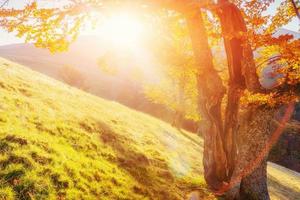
x: 76, y: 55
x: 82, y: 55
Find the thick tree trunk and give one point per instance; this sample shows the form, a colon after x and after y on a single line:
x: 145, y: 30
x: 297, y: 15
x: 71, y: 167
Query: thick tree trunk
x: 230, y: 127
x: 242, y: 72
x: 259, y: 129
x: 220, y: 145
x: 242, y: 75
x: 254, y: 185
x: 256, y: 128
x: 211, y: 92
x: 234, y: 152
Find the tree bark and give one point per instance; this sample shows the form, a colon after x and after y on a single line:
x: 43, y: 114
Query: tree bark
x: 211, y: 92
x: 242, y: 75
x: 256, y: 128
x: 254, y: 185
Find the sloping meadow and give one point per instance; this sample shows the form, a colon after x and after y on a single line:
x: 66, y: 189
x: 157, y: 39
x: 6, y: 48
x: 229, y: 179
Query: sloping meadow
x: 57, y: 142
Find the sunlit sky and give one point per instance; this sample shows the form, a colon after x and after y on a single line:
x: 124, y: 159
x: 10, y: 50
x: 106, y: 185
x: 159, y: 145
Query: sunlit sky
x: 9, y: 38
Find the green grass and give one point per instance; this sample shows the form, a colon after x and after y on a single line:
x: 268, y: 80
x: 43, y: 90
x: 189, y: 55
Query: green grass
x: 57, y: 142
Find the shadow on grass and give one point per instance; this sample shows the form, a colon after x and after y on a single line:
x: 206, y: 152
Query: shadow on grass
x: 195, y: 142
x: 153, y: 175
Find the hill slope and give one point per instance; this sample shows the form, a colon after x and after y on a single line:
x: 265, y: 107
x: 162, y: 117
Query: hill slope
x: 84, y: 56
x: 57, y: 142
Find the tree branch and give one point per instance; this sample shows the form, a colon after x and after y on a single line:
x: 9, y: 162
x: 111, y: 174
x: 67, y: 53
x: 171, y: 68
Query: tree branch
x: 296, y: 8
x: 3, y: 4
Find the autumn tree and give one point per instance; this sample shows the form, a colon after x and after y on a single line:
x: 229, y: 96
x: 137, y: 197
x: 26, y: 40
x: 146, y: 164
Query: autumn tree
x: 177, y: 94
x: 236, y: 140
x: 176, y: 88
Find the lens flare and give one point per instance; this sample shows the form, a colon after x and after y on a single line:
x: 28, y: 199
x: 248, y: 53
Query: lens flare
x: 124, y: 30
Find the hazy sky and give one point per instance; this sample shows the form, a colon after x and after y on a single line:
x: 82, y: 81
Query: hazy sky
x: 9, y: 38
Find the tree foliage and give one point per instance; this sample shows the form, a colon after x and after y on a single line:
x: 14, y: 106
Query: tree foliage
x: 177, y: 88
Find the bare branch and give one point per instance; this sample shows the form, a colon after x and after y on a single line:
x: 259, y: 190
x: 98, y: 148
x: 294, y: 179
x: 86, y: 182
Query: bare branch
x: 4, y: 3
x: 296, y: 8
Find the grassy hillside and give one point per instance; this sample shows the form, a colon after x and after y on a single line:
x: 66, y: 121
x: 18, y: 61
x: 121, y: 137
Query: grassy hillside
x: 57, y: 142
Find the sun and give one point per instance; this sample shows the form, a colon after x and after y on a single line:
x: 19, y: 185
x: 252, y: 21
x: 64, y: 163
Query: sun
x: 123, y: 30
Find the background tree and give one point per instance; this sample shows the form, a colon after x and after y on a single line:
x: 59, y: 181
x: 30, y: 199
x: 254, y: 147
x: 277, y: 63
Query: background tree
x: 176, y: 88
